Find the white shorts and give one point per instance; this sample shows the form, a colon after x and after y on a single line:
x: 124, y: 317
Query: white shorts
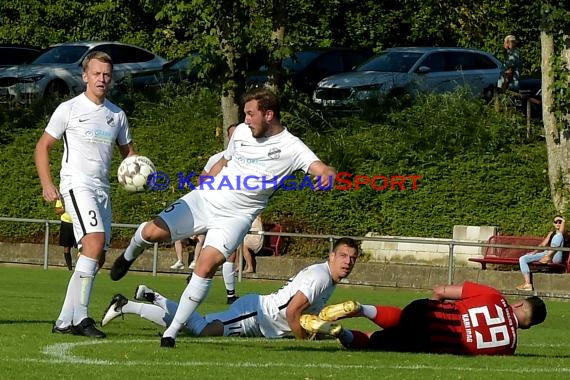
x: 90, y: 211
x: 192, y: 215
x: 241, y: 318
x: 254, y: 242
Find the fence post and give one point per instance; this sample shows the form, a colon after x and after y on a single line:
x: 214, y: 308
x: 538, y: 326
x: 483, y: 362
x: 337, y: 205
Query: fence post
x: 450, y: 263
x: 46, y: 245
x: 155, y: 260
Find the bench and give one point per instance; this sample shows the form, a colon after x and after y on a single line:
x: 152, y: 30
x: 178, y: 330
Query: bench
x: 271, y: 243
x: 510, y: 256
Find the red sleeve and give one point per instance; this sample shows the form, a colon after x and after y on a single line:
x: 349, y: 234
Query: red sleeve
x: 473, y: 289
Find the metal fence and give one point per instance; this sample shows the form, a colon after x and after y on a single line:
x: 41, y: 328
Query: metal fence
x: 452, y: 244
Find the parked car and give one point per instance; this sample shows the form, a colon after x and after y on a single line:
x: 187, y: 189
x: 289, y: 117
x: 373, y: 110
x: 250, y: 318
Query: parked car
x: 176, y: 71
x: 58, y: 70
x: 410, y: 70
x: 306, y: 68
x: 11, y: 55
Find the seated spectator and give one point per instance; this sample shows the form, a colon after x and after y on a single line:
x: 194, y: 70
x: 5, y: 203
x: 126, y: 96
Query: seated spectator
x: 553, y: 239
x: 252, y: 244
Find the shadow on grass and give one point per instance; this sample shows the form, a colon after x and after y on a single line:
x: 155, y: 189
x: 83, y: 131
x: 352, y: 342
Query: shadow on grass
x: 15, y: 322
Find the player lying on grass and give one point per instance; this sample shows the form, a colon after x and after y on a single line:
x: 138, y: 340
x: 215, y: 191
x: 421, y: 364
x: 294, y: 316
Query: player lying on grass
x: 272, y: 316
x: 468, y: 319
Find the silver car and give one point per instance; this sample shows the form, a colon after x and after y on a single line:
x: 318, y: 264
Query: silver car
x: 58, y: 70
x: 410, y: 70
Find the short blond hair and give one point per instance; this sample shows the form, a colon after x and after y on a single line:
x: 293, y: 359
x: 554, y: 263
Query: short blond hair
x: 510, y: 38
x: 98, y: 55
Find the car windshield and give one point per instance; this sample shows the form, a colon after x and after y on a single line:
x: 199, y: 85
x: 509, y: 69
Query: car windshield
x: 391, y: 61
x: 185, y: 64
x: 61, y: 54
x: 299, y: 60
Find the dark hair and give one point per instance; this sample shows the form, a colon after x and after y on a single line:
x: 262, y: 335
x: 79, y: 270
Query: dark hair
x: 346, y: 241
x: 538, y: 310
x: 98, y: 55
x: 558, y: 216
x: 266, y: 100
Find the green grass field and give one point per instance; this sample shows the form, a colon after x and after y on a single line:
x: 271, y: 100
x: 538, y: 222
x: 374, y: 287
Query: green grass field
x: 31, y: 299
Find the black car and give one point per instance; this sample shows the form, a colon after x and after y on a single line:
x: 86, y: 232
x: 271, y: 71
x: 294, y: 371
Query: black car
x: 12, y: 55
x: 306, y: 68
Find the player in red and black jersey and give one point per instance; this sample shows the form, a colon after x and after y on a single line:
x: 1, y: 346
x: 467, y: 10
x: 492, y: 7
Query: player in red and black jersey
x: 468, y: 319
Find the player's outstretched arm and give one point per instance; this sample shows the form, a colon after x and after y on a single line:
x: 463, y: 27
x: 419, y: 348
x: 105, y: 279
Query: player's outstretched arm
x: 297, y: 305
x: 324, y: 174
x: 447, y: 292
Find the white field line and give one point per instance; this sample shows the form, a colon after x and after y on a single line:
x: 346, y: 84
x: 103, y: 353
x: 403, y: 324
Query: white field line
x: 61, y: 353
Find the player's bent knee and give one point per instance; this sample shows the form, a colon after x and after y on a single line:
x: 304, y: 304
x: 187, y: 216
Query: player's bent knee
x: 156, y: 231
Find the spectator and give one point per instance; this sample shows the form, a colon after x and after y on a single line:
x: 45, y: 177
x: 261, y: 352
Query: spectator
x: 252, y: 244
x: 66, y: 236
x: 510, y: 75
x: 553, y: 239
x: 468, y: 319
x: 178, y: 248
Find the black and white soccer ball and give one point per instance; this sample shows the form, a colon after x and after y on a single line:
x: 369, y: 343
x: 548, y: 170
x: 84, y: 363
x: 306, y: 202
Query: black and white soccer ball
x: 133, y: 173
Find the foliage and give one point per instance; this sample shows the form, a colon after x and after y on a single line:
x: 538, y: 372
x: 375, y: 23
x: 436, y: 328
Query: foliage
x: 556, y: 21
x: 174, y: 28
x: 475, y: 164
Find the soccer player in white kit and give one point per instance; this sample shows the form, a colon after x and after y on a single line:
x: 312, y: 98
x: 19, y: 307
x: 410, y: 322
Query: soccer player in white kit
x: 262, y: 150
x: 90, y: 127
x: 275, y: 315
x: 228, y: 272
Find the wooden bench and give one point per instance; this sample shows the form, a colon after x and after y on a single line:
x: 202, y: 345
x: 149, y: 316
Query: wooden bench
x: 510, y: 256
x: 271, y: 243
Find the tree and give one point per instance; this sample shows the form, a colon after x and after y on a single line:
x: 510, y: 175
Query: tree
x: 555, y: 43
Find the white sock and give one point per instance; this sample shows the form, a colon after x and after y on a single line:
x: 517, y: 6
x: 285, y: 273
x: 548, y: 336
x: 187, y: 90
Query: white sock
x: 229, y: 278
x: 65, y: 318
x: 82, y: 280
x: 137, y: 245
x: 369, y: 311
x: 147, y: 311
x: 166, y: 304
x: 191, y: 298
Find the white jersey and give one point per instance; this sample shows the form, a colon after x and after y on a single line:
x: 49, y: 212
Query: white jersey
x: 89, y: 132
x: 254, y: 169
x: 212, y: 161
x: 315, y: 282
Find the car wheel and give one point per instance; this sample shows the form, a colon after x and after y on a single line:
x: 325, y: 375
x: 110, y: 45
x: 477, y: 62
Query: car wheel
x: 56, y: 89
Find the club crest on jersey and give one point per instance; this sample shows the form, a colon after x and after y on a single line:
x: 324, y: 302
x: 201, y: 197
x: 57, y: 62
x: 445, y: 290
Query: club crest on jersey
x: 110, y: 121
x: 274, y: 153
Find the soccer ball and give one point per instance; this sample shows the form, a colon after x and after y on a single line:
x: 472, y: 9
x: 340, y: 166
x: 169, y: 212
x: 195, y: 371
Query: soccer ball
x: 133, y: 173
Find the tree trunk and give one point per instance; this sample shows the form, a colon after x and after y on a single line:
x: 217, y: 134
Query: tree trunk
x: 557, y: 139
x: 230, y: 112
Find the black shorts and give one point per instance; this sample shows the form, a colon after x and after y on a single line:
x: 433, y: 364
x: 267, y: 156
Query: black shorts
x: 66, y: 236
x: 411, y: 335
